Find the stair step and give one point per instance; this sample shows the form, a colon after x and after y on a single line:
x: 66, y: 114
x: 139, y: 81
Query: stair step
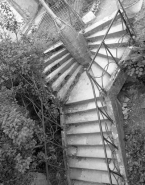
x: 89, y: 163
x: 100, y: 25
x: 83, y: 117
x: 60, y: 70
x: 76, y: 182
x: 89, y: 151
x: 111, y: 43
x: 117, y: 53
x: 61, y: 81
x: 55, y: 56
x: 100, y: 75
x: 91, y: 176
x: 56, y: 64
x: 115, y: 31
x: 65, y: 90
x: 88, y: 128
x: 86, y: 139
x: 107, y: 64
x: 83, y: 105
x: 54, y: 47
x: 84, y: 88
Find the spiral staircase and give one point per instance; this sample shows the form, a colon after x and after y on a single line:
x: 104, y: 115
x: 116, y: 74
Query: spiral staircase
x: 91, y: 117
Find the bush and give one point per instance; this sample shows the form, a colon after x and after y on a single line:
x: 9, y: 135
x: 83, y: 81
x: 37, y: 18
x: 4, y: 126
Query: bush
x: 135, y: 148
x: 29, y: 112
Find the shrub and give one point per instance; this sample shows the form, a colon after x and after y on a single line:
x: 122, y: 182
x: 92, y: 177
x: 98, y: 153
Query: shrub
x: 29, y: 127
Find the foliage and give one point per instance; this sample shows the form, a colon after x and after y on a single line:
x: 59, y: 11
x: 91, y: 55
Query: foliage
x: 29, y: 114
x: 135, y: 66
x: 8, y: 20
x: 135, y: 148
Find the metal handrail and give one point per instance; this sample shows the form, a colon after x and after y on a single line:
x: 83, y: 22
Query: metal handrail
x: 101, y: 129
x: 103, y: 40
x: 115, y: 172
x: 106, y: 34
x: 108, y: 141
x: 126, y: 16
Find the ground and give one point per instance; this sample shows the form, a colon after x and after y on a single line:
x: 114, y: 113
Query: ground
x: 132, y: 98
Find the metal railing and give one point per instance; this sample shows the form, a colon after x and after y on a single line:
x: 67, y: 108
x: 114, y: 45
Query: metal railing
x: 125, y: 26
x: 107, y: 140
x: 106, y: 136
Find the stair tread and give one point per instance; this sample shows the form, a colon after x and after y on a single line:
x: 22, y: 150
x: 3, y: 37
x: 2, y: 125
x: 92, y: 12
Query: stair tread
x: 110, y: 41
x: 77, y: 182
x: 115, y: 28
x: 89, y: 163
x: 85, y: 90
x: 58, y: 71
x: 88, y: 128
x: 70, y: 83
x: 83, y: 106
x: 91, y: 176
x: 81, y: 117
x: 89, y: 151
x: 55, y: 56
x: 92, y: 139
x: 109, y: 65
x: 64, y: 77
x: 101, y: 76
x: 56, y: 62
x: 100, y: 23
x: 117, y: 54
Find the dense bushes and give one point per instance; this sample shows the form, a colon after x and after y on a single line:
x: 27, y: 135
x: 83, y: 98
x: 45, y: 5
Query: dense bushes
x: 29, y: 126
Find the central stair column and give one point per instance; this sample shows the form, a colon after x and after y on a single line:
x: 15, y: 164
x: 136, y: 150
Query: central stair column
x: 73, y: 41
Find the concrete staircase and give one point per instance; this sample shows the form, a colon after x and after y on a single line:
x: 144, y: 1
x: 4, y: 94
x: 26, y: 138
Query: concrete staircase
x: 84, y: 153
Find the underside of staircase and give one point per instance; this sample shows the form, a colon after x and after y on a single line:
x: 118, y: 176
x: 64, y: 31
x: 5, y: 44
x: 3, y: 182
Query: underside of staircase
x: 91, y: 117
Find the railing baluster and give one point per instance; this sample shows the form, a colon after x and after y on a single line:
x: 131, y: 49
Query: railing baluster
x: 105, y: 45
x: 101, y: 130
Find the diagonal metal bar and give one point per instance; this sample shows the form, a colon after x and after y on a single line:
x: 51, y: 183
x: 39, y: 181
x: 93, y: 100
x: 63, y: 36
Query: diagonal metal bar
x: 126, y: 17
x: 101, y: 130
x: 111, y: 54
x: 103, y: 39
x: 126, y: 23
x: 110, y: 143
x: 96, y: 83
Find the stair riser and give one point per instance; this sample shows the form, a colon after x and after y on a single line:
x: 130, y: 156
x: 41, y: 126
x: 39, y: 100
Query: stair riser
x: 104, y: 56
x: 66, y: 95
x: 89, y: 151
x: 87, y: 139
x: 80, y: 117
x: 89, y: 163
x: 61, y: 72
x: 51, y: 59
x: 67, y: 77
x: 109, y: 36
x: 112, y: 45
x: 65, y: 59
x: 88, y: 128
x: 54, y: 48
x: 83, y: 106
x: 91, y: 176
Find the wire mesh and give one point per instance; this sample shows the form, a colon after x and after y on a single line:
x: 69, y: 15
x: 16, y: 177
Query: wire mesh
x: 64, y: 10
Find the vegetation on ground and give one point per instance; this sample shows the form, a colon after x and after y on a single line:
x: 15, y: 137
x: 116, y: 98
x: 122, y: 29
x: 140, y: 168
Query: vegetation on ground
x: 134, y: 108
x: 30, y: 133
